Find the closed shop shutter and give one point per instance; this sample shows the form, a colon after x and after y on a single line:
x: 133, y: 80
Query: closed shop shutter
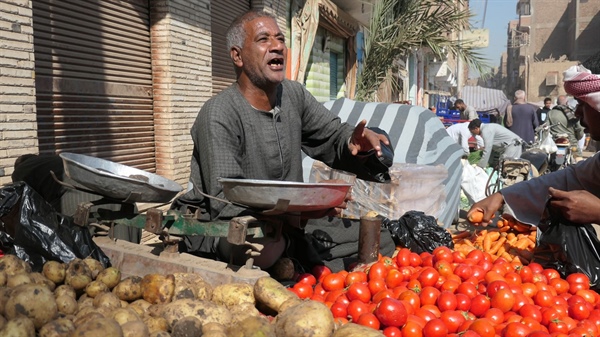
x: 223, y: 13
x: 94, y: 79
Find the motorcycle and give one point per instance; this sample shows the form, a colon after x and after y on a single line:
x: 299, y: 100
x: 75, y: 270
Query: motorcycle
x: 563, y: 156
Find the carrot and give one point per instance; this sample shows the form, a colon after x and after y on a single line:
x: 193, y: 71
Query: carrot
x: 507, y: 256
x: 522, y: 243
x: 475, y: 216
x: 461, y: 235
x: 496, y: 246
x: 487, y: 243
x: 494, y: 235
x: 521, y: 227
x: 501, y: 249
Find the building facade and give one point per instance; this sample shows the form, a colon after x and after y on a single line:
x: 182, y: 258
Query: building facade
x: 124, y: 80
x: 547, y: 38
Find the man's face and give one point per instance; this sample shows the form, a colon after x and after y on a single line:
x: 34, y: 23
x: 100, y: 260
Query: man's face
x: 461, y: 106
x: 475, y: 131
x: 590, y: 119
x: 547, y: 104
x: 264, y: 52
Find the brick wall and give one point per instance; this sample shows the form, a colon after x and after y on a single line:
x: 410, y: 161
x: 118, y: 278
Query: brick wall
x: 18, y: 131
x: 181, y: 59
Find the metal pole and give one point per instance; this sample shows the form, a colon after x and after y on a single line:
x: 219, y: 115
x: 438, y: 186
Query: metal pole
x: 369, y: 238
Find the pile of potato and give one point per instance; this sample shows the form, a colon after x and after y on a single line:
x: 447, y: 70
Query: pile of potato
x: 84, y: 299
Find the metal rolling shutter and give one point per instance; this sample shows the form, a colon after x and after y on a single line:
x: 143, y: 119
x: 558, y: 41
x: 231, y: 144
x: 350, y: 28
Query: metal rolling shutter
x: 223, y: 13
x: 94, y: 79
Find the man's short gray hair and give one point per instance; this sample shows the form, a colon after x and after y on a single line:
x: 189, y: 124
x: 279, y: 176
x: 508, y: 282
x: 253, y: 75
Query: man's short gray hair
x: 520, y: 94
x: 236, y: 34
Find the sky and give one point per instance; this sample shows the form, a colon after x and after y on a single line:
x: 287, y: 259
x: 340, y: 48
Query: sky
x: 496, y: 18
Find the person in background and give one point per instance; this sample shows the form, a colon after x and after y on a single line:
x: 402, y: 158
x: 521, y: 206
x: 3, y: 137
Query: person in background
x: 563, y: 120
x: 461, y: 134
x: 467, y: 113
x: 496, y: 138
x: 257, y: 129
x: 521, y: 118
x: 574, y: 191
x: 432, y: 108
x: 542, y: 113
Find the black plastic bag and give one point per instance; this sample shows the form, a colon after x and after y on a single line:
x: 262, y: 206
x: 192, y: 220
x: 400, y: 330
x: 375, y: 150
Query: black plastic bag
x: 32, y: 230
x: 570, y: 248
x: 418, y: 232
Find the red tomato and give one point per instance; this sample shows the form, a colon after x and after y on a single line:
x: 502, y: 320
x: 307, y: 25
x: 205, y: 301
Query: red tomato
x: 479, y: 305
x: 410, y: 297
x: 578, y: 278
x: 475, y: 255
x: 333, y: 282
x: 429, y: 295
x: 580, y: 310
x: 558, y: 326
x: 368, y: 319
x: 543, y: 298
x: 394, y: 278
x: 402, y: 258
x: 307, y: 278
x: 447, y: 301
x: 354, y: 277
x: 453, y: 320
x: 463, y: 302
x: 339, y: 310
x: 550, y: 273
x: 463, y: 271
x: 435, y: 328
x: 532, y: 311
x: 376, y: 285
x: 303, y: 290
x: 516, y: 329
x: 483, y: 327
x: 391, y: 312
x: 444, y: 267
x: 526, y: 274
x: 358, y: 291
x: 388, y: 262
x: 392, y: 331
x: 378, y: 271
x: 535, y: 267
x: 428, y: 277
x: 494, y: 286
x: 412, y: 329
x: 356, y: 309
x: 416, y: 260
x: 442, y: 253
x: 458, y: 257
x: 381, y: 295
x: 503, y: 299
x: 320, y: 271
x: 468, y: 289
x: 495, y: 315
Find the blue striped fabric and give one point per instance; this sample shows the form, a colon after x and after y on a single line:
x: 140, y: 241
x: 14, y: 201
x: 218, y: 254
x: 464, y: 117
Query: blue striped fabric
x: 418, y: 137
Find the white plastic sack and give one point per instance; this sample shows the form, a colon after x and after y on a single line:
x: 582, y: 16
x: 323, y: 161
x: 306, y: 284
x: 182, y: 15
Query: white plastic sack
x: 474, y: 181
x: 548, y: 145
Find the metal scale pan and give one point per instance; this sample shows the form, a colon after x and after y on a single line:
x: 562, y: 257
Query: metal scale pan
x: 117, y: 181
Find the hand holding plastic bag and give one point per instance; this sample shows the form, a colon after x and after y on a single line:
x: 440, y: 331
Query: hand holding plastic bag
x: 548, y: 145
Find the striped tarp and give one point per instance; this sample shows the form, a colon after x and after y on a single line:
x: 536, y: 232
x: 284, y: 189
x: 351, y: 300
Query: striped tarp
x: 418, y: 137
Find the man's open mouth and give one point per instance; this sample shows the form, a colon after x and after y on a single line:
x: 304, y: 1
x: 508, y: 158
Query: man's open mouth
x: 276, y: 63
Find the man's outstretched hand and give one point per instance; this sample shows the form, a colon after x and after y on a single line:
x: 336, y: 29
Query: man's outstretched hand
x: 488, y: 206
x: 364, y: 140
x: 577, y: 206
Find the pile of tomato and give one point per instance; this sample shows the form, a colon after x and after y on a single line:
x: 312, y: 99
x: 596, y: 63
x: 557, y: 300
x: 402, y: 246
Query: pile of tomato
x: 448, y: 293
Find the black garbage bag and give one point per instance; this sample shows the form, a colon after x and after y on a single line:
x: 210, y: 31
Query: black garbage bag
x: 32, y: 230
x: 418, y: 232
x: 569, y: 248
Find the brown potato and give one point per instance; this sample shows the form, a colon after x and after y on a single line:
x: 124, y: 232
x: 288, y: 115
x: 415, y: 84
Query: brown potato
x: 355, y: 330
x: 107, y: 300
x: 34, y: 301
x: 156, y: 323
x: 65, y: 289
x: 160, y: 334
x: 85, y: 301
x: 129, y: 289
x: 309, y: 318
x: 61, y: 327
x: 242, y: 311
x: 12, y: 265
x: 124, y: 315
x: 135, y: 329
x: 155, y: 310
x: 18, y: 279
x: 3, y: 278
x: 4, y: 296
x: 187, y: 326
x: 19, y: 326
x: 157, y: 288
x: 252, y: 326
x: 96, y: 287
x: 101, y: 327
x: 78, y: 274
x: 55, y: 271
x: 110, y: 276
x: 205, y: 311
x: 140, y: 306
x: 190, y: 285
x: 271, y: 293
x: 95, y: 266
x: 39, y: 278
x: 66, y: 305
x: 85, y: 315
x: 233, y: 294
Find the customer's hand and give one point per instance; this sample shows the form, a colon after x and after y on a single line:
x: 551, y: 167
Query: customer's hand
x: 364, y: 140
x: 577, y: 206
x: 488, y: 206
